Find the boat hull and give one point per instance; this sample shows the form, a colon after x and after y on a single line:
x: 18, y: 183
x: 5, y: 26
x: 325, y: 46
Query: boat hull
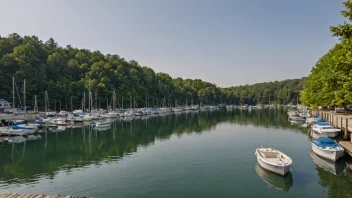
x: 332, y: 155
x: 277, y: 169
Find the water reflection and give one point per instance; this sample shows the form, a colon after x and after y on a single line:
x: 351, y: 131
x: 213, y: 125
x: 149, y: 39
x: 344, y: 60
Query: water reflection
x: 81, y: 145
x: 283, y: 183
x: 335, y: 168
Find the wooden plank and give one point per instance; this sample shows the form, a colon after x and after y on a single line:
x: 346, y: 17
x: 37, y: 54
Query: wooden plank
x: 38, y: 196
x: 21, y: 196
x: 13, y: 195
x: 347, y: 145
x: 9, y: 195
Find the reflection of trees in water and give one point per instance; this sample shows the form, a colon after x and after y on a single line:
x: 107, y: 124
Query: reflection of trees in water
x: 81, y: 147
x: 339, y: 186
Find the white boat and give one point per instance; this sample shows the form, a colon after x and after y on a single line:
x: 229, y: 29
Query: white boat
x: 61, y: 122
x: 273, y: 160
x: 314, y: 120
x: 15, y: 132
x: 297, y: 118
x: 78, y: 119
x: 325, y: 129
x: 77, y: 112
x: 335, y: 168
x: 327, y: 148
x: 88, y: 117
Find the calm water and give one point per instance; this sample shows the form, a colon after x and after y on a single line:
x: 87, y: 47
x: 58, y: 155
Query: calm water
x: 210, y: 154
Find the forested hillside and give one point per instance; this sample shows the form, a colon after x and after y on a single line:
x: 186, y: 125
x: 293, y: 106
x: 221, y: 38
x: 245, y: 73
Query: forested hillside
x: 330, y: 80
x: 67, y: 72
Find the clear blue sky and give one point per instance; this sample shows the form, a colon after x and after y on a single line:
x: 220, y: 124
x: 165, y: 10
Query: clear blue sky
x: 227, y: 42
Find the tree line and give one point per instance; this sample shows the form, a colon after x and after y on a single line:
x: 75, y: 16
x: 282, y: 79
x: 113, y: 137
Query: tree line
x: 67, y: 72
x: 330, y: 80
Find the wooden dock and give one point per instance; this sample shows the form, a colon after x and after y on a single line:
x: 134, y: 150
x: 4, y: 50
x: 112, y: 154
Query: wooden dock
x: 347, y: 145
x: 16, y: 195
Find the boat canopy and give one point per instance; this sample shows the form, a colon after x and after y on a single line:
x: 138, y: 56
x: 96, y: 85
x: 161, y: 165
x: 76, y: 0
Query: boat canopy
x: 324, y: 142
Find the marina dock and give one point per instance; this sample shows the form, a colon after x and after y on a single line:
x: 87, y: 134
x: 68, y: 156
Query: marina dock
x: 15, y: 195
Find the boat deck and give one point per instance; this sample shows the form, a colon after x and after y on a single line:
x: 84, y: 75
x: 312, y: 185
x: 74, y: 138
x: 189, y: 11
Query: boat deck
x: 15, y: 195
x: 275, y: 161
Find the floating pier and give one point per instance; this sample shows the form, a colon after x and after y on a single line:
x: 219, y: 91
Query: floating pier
x: 15, y: 195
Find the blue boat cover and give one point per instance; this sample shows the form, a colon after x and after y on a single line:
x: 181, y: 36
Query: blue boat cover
x: 320, y: 119
x: 320, y: 123
x: 324, y: 142
x: 18, y: 122
x: 18, y: 127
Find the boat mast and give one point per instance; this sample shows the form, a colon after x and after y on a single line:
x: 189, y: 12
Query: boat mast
x: 46, y: 105
x: 122, y: 102
x: 13, y: 96
x: 89, y: 100
x: 84, y: 101
x: 96, y: 99
x: 24, y: 98
x: 35, y: 104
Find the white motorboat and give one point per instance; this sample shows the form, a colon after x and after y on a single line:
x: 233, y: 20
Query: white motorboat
x: 297, y: 118
x: 327, y: 148
x: 61, y: 122
x: 314, y: 120
x: 335, y: 168
x: 15, y: 132
x: 273, y: 160
x: 325, y: 129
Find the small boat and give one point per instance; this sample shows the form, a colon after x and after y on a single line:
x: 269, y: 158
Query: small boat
x: 15, y: 132
x: 314, y: 120
x: 281, y: 183
x: 101, y: 125
x: 325, y: 129
x: 297, y: 118
x: 335, y: 168
x: 273, y: 160
x: 61, y: 122
x: 78, y: 119
x: 327, y: 148
x: 88, y: 117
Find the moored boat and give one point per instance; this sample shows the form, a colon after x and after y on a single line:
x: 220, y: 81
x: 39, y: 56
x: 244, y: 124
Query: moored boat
x: 327, y: 148
x: 325, y: 129
x: 273, y: 160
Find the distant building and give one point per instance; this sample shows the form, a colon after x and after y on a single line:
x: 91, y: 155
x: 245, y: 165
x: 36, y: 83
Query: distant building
x: 4, y: 106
